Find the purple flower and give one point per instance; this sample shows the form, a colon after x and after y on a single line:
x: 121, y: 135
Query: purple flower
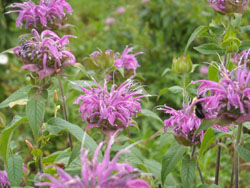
x: 45, y: 15
x: 229, y: 6
x: 128, y: 61
x: 45, y: 54
x: 94, y: 174
x: 120, y: 10
x: 204, y: 70
x: 4, y: 181
x: 110, y: 110
x: 109, y: 21
x: 230, y: 98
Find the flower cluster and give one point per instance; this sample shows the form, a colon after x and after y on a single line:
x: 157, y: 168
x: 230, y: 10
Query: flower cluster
x: 230, y: 98
x: 45, y: 54
x: 45, y: 15
x: 112, y: 109
x: 4, y: 181
x: 106, y: 174
x: 229, y: 6
x: 128, y: 61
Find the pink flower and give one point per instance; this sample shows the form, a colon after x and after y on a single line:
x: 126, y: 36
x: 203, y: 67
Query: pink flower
x: 45, y: 15
x: 4, y: 181
x: 227, y: 6
x: 144, y: 1
x: 120, y: 10
x: 127, y: 61
x: 110, y: 110
x: 45, y: 54
x: 94, y: 174
x: 204, y: 70
x: 109, y: 21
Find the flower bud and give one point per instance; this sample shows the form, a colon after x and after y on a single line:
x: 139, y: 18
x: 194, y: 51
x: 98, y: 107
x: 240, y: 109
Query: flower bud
x: 55, y: 96
x: 30, y: 146
x: 230, y: 41
x: 182, y: 65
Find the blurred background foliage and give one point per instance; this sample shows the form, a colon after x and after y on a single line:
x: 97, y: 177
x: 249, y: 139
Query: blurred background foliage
x: 160, y: 29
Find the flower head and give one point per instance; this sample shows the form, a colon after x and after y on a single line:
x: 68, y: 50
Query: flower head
x: 4, y: 181
x: 230, y: 98
x: 128, y: 61
x: 109, y: 21
x: 110, y: 110
x: 120, y: 10
x: 45, y: 54
x: 48, y: 13
x: 94, y: 174
x: 204, y: 70
x: 229, y: 6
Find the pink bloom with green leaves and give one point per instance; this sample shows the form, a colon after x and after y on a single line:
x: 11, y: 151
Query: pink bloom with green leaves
x: 47, y: 14
x: 128, y: 61
x: 94, y: 174
x: 4, y: 181
x: 110, y: 110
x: 45, y: 54
x: 109, y: 21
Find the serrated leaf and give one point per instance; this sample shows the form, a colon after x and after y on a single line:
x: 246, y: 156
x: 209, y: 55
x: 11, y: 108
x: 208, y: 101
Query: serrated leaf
x: 17, y: 95
x: 173, y: 155
x: 207, y: 140
x: 56, y: 125
x: 6, y: 137
x: 149, y: 113
x: 244, y: 153
x: 35, y: 110
x: 15, y: 170
x: 187, y: 171
x: 195, y: 33
x: 153, y: 167
x: 209, y: 49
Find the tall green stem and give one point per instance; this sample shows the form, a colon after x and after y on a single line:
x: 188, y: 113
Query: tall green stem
x: 236, y: 157
x: 217, y: 172
x: 64, y: 109
x: 184, y: 89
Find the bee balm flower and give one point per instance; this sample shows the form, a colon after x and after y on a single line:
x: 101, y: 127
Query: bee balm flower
x: 45, y: 15
x: 110, y: 110
x: 229, y: 6
x: 45, y: 54
x: 106, y: 174
x: 4, y: 181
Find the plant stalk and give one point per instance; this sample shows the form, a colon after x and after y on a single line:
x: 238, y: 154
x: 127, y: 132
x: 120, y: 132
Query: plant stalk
x: 236, y: 157
x: 200, y: 173
x: 64, y: 109
x: 217, y: 172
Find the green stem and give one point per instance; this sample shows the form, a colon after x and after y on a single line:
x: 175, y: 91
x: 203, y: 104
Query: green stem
x: 184, y: 89
x: 200, y: 173
x: 217, y: 172
x: 64, y: 109
x: 236, y: 157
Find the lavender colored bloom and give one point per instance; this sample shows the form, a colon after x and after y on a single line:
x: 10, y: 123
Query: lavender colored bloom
x: 120, y: 10
x: 230, y: 98
x: 128, y: 61
x: 204, y: 70
x: 229, y: 6
x: 48, y: 13
x: 110, y: 110
x: 45, y: 54
x: 4, y: 181
x: 94, y: 174
x: 109, y: 21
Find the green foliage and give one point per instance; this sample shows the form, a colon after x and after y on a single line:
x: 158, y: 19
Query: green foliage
x: 188, y: 171
x: 15, y: 170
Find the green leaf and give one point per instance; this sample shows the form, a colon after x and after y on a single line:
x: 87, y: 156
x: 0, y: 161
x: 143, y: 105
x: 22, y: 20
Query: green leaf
x: 9, y: 51
x: 170, y: 160
x: 165, y: 90
x: 15, y: 170
x: 213, y: 72
x: 245, y: 45
x: 247, y: 125
x: 74, y: 154
x: 56, y: 125
x: 187, y: 171
x: 175, y: 89
x: 244, y: 153
x: 153, y: 167
x: 165, y: 72
x: 2, y: 121
x: 214, y: 186
x: 16, y: 96
x: 149, y: 113
x: 205, y: 124
x: 210, y: 49
x: 208, y: 139
x: 196, y: 33
x: 6, y: 137
x: 203, y: 186
x: 35, y: 112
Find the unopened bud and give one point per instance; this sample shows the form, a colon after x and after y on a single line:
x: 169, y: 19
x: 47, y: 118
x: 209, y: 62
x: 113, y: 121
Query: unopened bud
x: 55, y: 96
x: 230, y: 41
x: 182, y: 65
x: 30, y: 146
